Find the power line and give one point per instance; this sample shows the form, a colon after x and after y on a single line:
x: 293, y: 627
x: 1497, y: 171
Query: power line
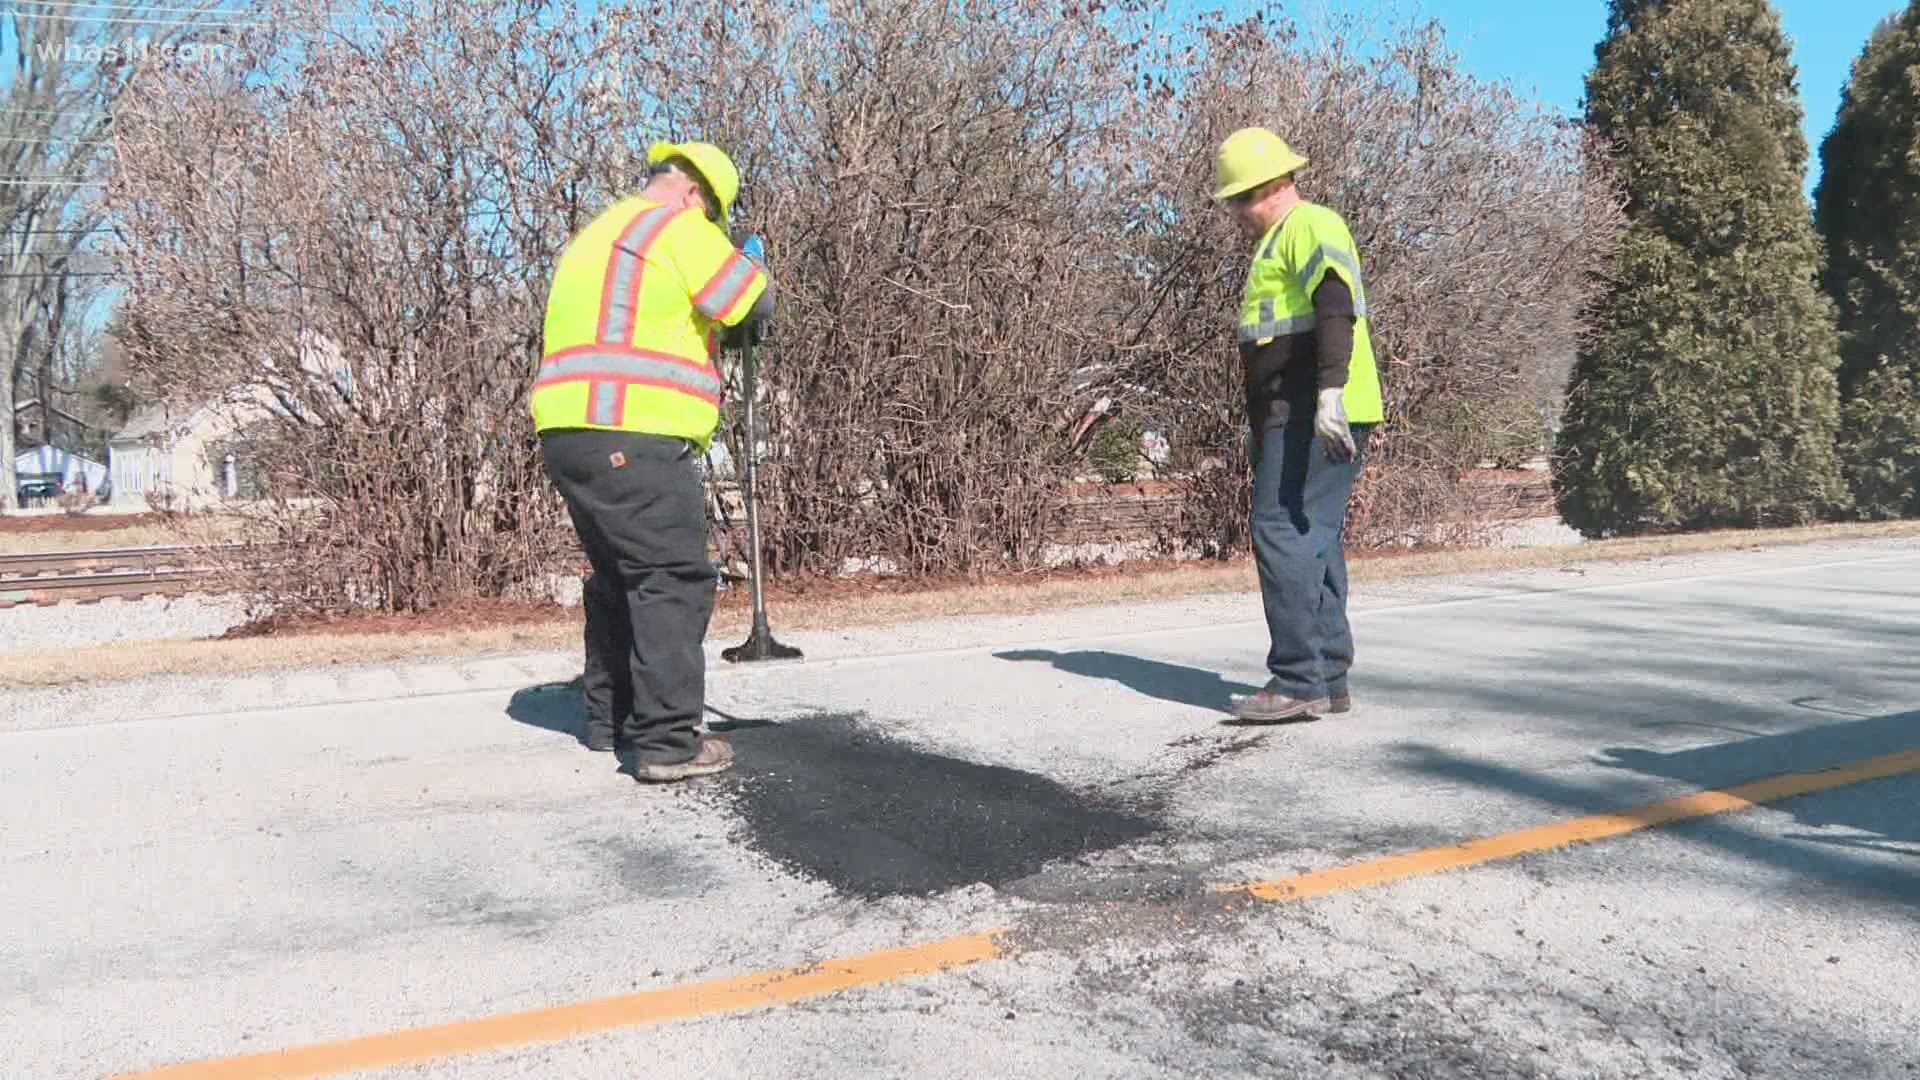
x: 240, y: 16
x: 87, y: 5
x: 109, y: 20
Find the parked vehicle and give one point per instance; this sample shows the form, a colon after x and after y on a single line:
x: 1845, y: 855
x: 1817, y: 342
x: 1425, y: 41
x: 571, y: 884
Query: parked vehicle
x: 35, y: 489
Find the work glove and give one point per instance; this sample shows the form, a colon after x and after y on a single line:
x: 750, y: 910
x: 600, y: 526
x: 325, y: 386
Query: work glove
x: 756, y: 250
x: 1330, y: 423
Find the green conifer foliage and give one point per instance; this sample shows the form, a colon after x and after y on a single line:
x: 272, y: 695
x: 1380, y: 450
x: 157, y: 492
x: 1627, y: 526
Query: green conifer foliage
x: 1708, y: 395
x: 1868, y: 210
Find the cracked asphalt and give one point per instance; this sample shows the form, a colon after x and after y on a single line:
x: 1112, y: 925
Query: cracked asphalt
x: 196, y: 869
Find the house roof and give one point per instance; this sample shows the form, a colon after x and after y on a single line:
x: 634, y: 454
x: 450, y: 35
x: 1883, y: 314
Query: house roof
x: 228, y: 409
x: 42, y: 459
x: 151, y: 420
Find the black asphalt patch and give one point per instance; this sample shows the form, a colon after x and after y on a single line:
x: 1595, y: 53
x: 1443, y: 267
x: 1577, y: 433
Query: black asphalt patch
x: 871, y: 816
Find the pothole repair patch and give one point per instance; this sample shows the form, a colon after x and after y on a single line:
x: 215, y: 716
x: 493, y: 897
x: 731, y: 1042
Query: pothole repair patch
x: 871, y: 816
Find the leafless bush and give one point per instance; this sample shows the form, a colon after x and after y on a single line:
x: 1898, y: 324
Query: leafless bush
x: 921, y: 172
x: 981, y: 218
x: 1484, y: 226
x: 344, y: 233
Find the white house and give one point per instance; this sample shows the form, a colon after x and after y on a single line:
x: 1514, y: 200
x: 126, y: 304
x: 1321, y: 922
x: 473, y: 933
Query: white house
x: 173, y: 454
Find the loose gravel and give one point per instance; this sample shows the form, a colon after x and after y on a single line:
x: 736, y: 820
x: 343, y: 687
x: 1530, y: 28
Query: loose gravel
x: 1536, y: 532
x: 106, y: 622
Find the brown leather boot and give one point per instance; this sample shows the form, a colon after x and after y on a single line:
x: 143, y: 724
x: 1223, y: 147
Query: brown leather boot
x: 1271, y: 706
x: 714, y: 755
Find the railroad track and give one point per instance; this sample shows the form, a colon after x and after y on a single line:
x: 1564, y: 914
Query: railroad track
x: 85, y: 588
x: 132, y: 573
x: 58, y: 577
x: 63, y: 563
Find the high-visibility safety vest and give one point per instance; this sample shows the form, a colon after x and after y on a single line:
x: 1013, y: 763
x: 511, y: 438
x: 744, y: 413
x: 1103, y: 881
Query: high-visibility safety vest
x: 637, y: 303
x: 1289, y: 263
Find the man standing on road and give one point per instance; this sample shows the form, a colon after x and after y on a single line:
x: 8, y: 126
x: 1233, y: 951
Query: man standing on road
x: 626, y: 402
x: 1313, y: 396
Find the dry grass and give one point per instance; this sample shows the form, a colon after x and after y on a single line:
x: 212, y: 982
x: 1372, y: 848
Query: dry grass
x: 36, y: 535
x: 35, y: 543
x: 847, y: 604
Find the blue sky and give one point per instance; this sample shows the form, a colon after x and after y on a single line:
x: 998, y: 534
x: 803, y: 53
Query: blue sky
x: 1545, y: 47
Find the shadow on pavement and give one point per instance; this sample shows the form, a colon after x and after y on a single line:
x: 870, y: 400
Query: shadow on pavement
x: 1694, y: 692
x: 1869, y: 843
x: 728, y: 722
x: 1887, y: 823
x: 1177, y: 683
x: 555, y: 706
x: 561, y: 707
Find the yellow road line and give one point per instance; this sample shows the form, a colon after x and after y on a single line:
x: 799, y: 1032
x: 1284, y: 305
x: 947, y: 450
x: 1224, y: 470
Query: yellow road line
x: 591, y: 1017
x: 490, y: 1033
x: 1579, y: 830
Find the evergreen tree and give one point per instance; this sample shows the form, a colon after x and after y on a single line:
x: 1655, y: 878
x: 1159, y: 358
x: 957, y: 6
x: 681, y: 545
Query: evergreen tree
x: 1708, y: 395
x: 1868, y: 209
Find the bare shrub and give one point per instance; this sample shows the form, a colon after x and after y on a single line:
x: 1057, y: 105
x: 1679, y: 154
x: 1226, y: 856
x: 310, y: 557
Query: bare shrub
x: 981, y: 218
x: 1484, y: 226
x: 345, y: 233
x: 920, y: 169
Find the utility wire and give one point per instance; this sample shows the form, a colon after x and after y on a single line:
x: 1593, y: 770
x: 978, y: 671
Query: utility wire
x: 88, y: 5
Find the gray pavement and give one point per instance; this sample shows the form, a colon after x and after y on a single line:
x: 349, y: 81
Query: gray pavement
x: 199, y: 868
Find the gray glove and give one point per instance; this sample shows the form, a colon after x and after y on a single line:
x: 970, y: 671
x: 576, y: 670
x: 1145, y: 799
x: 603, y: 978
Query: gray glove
x: 1330, y: 423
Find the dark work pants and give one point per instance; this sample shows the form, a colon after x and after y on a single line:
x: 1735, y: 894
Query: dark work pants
x: 607, y: 680
x: 639, y: 509
x: 1299, y: 505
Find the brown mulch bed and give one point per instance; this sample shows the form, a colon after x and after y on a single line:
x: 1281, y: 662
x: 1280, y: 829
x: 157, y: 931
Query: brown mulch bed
x: 60, y: 523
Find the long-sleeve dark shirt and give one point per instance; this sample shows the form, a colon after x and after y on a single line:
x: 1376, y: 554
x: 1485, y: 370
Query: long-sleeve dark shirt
x: 1285, y: 376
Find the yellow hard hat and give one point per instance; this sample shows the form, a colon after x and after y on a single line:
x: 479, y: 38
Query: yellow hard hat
x: 1251, y: 157
x: 713, y: 165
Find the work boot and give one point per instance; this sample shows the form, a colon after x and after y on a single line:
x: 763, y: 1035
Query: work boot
x: 1339, y: 703
x: 1271, y: 706
x: 714, y: 755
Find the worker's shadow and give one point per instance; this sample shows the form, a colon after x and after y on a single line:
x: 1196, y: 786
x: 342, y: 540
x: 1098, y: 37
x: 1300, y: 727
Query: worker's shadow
x: 1177, y: 683
x: 555, y: 706
x: 561, y: 707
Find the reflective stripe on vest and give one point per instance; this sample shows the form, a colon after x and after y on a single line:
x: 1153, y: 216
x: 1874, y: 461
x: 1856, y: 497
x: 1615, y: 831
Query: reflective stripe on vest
x: 1271, y: 326
x: 600, y: 373
x: 619, y: 305
x: 717, y: 300
x: 611, y: 369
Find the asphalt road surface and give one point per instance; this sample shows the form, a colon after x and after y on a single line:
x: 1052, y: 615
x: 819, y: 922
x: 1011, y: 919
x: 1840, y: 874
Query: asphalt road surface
x: 1020, y: 847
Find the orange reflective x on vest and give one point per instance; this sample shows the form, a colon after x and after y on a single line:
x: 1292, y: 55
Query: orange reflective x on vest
x: 638, y: 299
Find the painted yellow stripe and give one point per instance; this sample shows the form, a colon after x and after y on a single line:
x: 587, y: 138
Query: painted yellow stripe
x: 494, y: 1033
x: 590, y: 1017
x: 1580, y: 830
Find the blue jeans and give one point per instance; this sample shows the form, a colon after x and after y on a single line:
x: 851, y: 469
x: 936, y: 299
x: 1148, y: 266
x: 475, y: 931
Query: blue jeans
x: 1299, y: 505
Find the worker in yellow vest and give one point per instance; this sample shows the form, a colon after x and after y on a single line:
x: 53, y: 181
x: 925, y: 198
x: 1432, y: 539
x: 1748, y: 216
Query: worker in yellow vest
x: 626, y: 403
x: 1313, y: 397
